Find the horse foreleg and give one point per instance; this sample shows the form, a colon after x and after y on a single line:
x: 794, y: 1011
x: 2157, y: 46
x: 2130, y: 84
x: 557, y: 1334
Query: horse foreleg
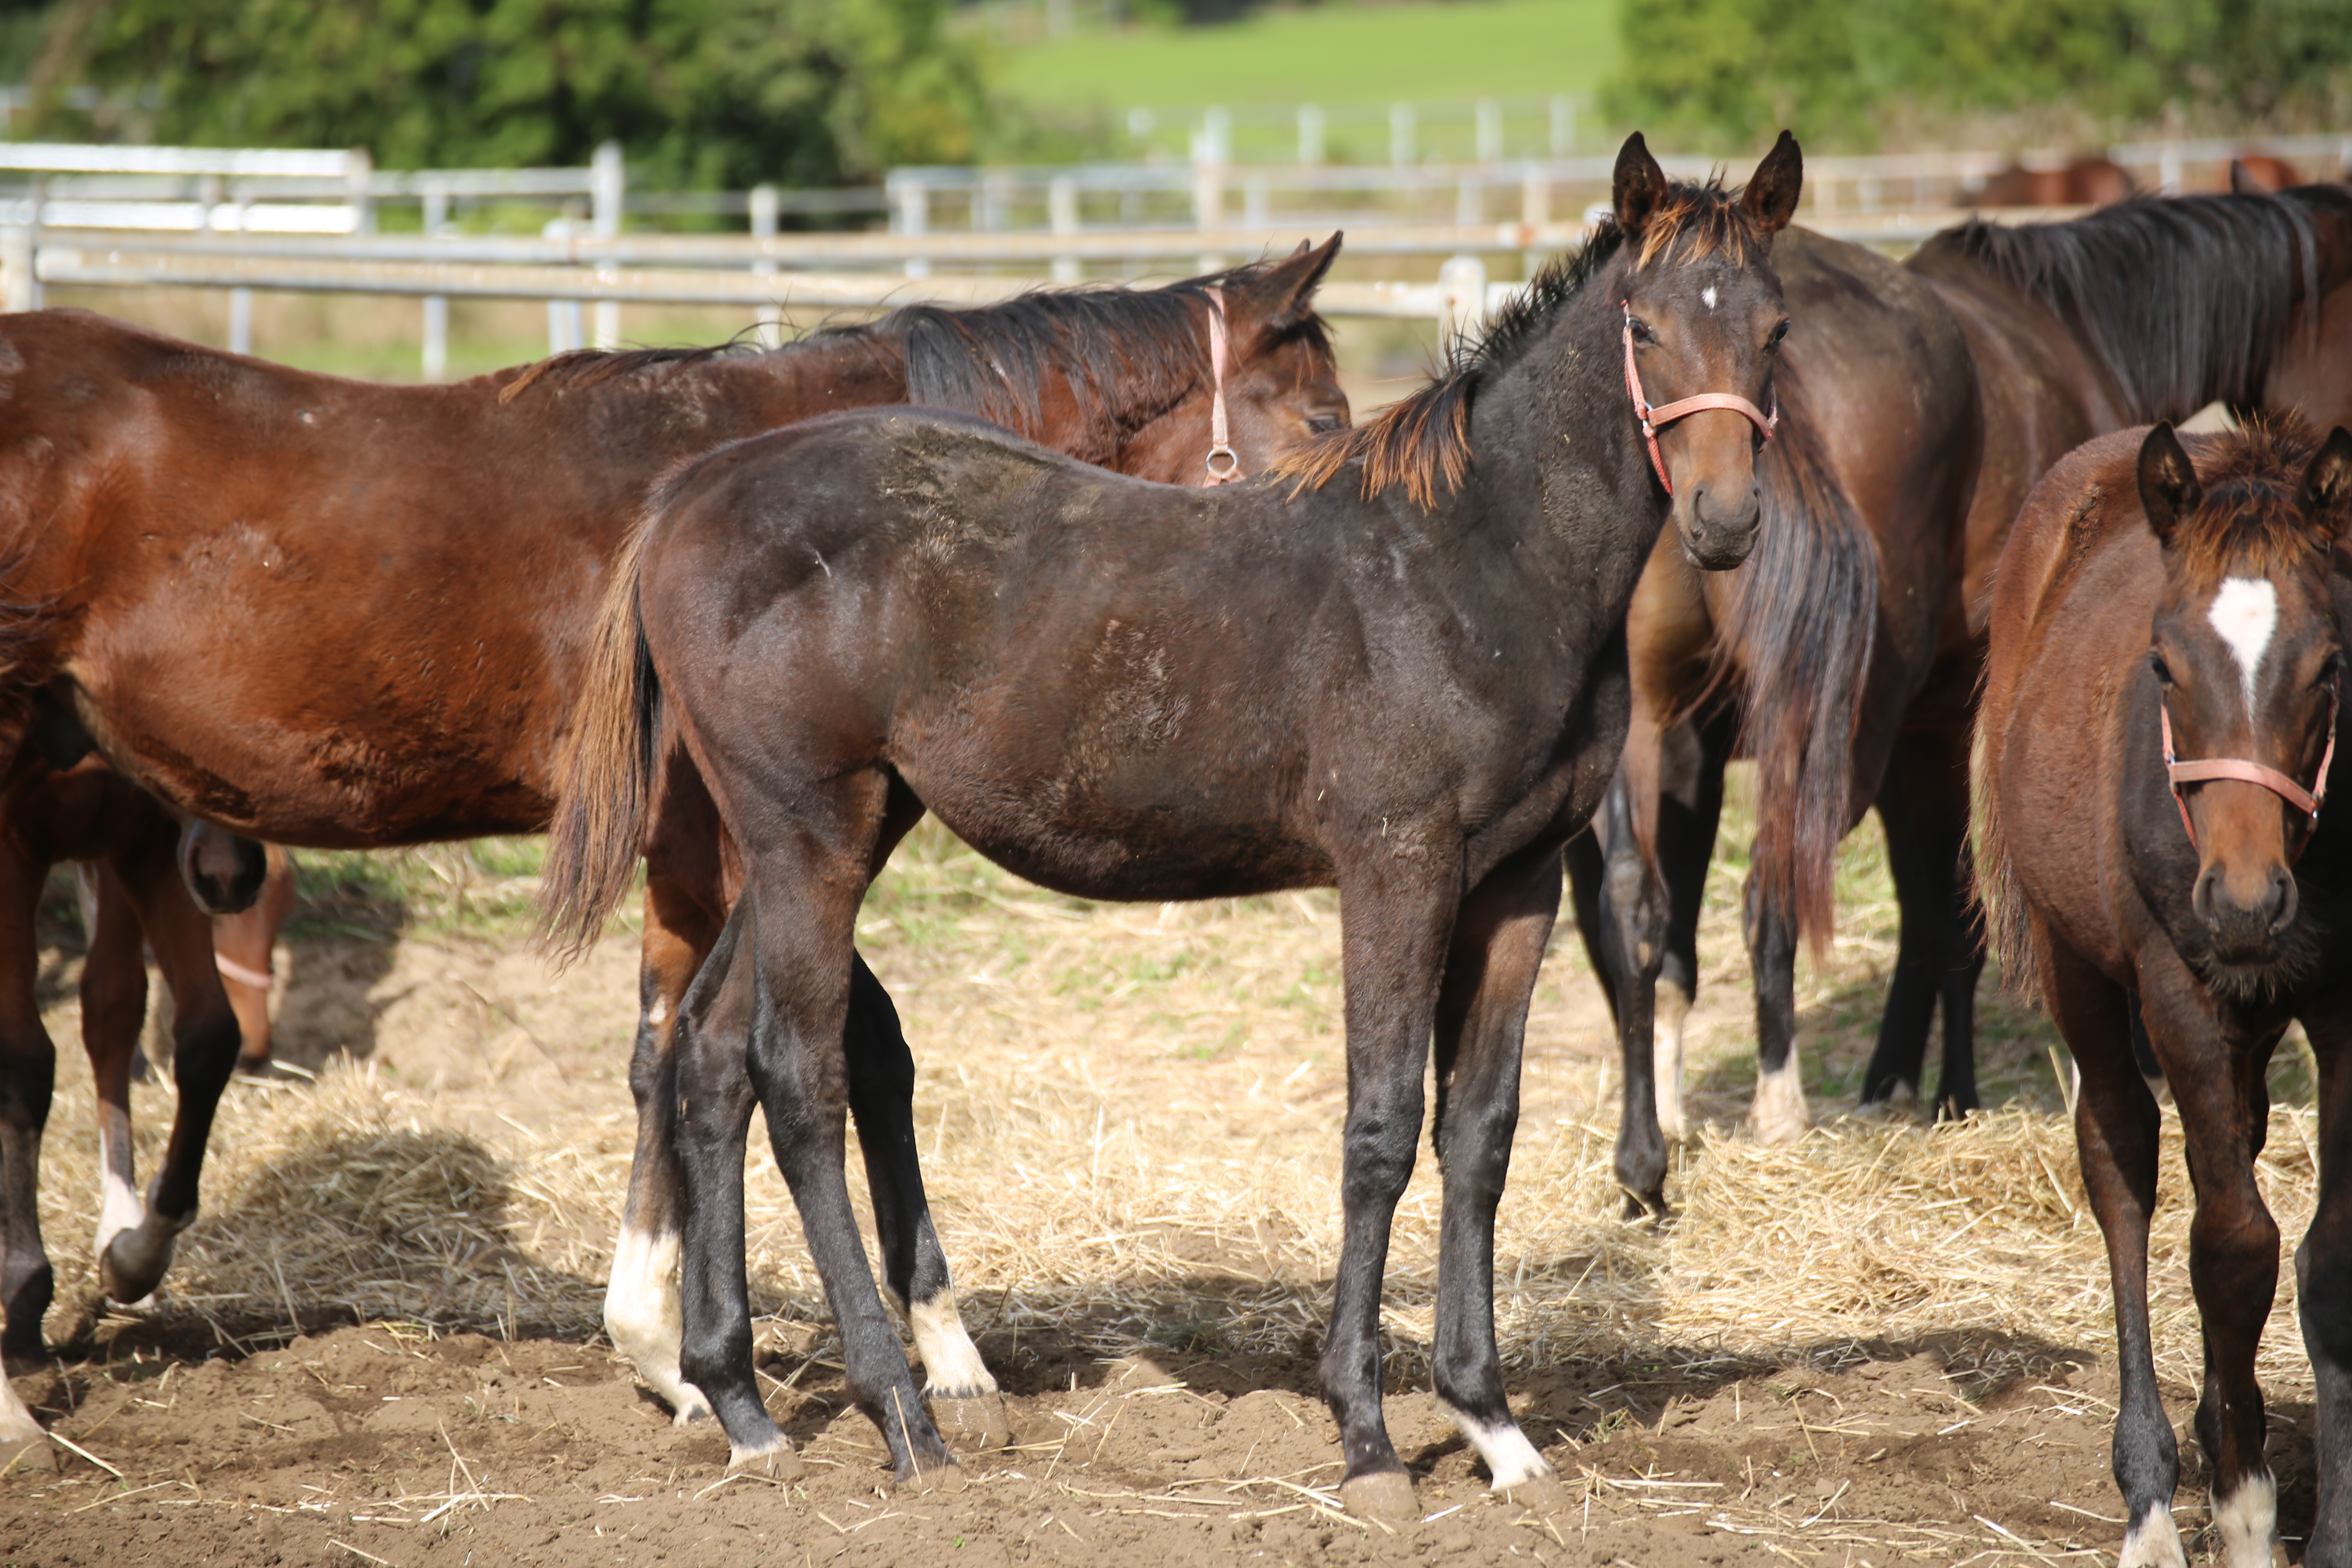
x: 2114, y: 1133
x: 204, y: 1038
x: 962, y: 1394
x: 1923, y: 805
x: 1633, y: 899
x: 1690, y: 804
x: 245, y: 948
x: 1392, y: 943
x: 113, y: 1011
x: 2323, y: 1277
x: 1778, y: 1115
x: 28, y: 1068
x: 1481, y: 1016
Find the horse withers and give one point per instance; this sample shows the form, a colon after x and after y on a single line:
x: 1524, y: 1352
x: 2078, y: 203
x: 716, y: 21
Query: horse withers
x: 1402, y: 674
x: 2157, y: 734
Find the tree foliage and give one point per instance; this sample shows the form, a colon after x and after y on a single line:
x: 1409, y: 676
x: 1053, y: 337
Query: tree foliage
x: 701, y: 93
x: 1740, y: 68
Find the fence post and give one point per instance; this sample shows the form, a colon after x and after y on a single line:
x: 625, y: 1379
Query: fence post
x: 437, y: 306
x: 1535, y: 209
x: 910, y: 210
x: 1208, y: 182
x: 1563, y: 125
x: 607, y: 189
x: 563, y: 333
x: 359, y: 178
x: 1401, y: 133
x: 17, y: 247
x: 1311, y: 134
x: 1061, y: 216
x: 1490, y: 132
x: 240, y: 302
x: 2167, y: 170
x: 765, y: 213
x: 1462, y: 300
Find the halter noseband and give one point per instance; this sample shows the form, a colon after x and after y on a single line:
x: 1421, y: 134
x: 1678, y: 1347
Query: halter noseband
x: 1220, y: 438
x: 1652, y: 418
x: 2307, y: 801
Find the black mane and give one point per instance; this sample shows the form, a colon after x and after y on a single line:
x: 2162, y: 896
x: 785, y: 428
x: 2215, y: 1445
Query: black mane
x: 2216, y: 282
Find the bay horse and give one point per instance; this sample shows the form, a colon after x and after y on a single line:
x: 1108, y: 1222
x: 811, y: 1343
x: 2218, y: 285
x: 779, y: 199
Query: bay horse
x: 2167, y: 642
x: 322, y: 612
x: 2153, y: 307
x: 1402, y: 675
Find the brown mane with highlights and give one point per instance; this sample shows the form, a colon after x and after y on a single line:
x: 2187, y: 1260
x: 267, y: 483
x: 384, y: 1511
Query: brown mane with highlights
x: 2247, y: 520
x: 1421, y: 443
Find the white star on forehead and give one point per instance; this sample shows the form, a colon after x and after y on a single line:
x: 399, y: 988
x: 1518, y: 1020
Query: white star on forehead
x: 1707, y: 294
x: 2245, y: 613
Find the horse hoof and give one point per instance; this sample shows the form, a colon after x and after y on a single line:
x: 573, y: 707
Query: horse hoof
x: 21, y: 1454
x: 1542, y: 1494
x: 947, y: 1478
x: 130, y: 1272
x: 975, y: 1423
x: 690, y: 1409
x: 776, y: 1464
x: 1383, y: 1495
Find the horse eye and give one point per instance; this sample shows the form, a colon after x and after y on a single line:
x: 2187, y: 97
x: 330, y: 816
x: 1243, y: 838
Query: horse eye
x: 1642, y: 333
x: 2329, y: 669
x: 1322, y: 423
x: 2163, y: 670
x: 1779, y: 334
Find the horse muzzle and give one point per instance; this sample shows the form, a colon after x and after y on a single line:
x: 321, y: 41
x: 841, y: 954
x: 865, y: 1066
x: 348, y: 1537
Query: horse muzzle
x: 1718, y: 524
x: 223, y: 871
x: 2245, y: 916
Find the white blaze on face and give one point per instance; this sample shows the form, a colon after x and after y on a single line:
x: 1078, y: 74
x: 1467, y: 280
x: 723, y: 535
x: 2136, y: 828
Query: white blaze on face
x: 2245, y: 614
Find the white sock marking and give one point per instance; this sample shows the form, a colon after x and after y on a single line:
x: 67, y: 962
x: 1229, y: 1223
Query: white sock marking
x: 17, y: 1423
x: 951, y: 1365
x: 2247, y: 1523
x: 2155, y: 1543
x: 120, y: 1208
x: 643, y: 1315
x: 1673, y: 1011
x: 2245, y: 612
x: 1778, y: 1115
x: 1510, y: 1459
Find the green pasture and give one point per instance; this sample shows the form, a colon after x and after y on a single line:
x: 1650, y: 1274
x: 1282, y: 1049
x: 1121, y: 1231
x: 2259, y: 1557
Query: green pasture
x: 1329, y: 54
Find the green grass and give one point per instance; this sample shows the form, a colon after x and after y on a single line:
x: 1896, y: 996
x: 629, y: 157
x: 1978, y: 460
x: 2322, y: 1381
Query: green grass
x: 1331, y: 54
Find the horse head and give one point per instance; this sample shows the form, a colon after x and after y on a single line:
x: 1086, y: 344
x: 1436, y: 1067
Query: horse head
x: 223, y: 871
x: 1704, y: 319
x: 2248, y: 656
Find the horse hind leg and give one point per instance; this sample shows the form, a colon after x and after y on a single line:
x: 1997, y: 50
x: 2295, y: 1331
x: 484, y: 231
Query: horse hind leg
x: 28, y: 1065
x: 113, y: 1011
x: 962, y: 1394
x: 206, y: 1039
x: 1780, y: 1114
x: 1633, y: 899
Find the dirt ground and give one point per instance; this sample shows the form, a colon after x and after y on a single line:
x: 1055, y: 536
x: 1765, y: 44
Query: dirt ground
x: 380, y: 1344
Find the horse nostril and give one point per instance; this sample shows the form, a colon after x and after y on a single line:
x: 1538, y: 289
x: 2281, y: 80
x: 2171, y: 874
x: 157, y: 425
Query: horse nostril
x: 2283, y: 898
x: 2201, y: 898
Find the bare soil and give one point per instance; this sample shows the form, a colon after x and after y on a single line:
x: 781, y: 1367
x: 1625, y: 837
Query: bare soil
x: 381, y: 1341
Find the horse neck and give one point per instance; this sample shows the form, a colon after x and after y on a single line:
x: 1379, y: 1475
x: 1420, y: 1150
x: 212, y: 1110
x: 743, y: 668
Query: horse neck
x: 818, y: 375
x: 1560, y: 476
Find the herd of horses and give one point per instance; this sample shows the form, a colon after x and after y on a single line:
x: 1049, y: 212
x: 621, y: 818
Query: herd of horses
x: 1712, y: 488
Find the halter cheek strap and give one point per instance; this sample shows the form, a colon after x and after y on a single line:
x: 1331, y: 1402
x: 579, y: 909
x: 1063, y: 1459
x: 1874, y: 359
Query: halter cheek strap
x: 1219, y: 438
x: 1652, y: 418
x: 2307, y: 801
x: 261, y: 979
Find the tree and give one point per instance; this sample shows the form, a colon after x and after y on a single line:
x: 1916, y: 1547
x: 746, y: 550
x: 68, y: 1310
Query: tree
x: 701, y: 93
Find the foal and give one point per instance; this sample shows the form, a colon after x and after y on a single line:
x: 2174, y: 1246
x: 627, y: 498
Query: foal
x: 2157, y: 732
x: 1403, y: 676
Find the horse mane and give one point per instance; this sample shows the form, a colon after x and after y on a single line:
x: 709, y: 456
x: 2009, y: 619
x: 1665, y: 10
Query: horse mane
x: 2247, y: 518
x: 1126, y: 355
x: 1421, y: 443
x: 1794, y: 630
x: 2215, y: 281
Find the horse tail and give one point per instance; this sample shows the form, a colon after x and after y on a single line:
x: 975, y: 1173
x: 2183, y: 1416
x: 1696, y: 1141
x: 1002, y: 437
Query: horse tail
x: 605, y: 779
x: 1800, y: 619
x: 1999, y: 896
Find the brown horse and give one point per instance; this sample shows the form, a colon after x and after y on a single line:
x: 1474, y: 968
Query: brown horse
x: 2083, y: 182
x: 1827, y: 680
x: 320, y: 612
x: 1400, y: 677
x: 2159, y: 604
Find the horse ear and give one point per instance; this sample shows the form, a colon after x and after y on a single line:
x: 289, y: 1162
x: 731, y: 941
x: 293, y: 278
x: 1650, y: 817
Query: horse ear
x: 1640, y: 185
x: 1772, y: 191
x: 2326, y: 494
x: 2242, y: 182
x: 2168, y: 481
x: 1283, y: 294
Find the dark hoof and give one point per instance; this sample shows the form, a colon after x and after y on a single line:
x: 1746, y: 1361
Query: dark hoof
x: 776, y: 1464
x: 1542, y: 1494
x: 131, y: 1268
x: 1384, y: 1494
x: 947, y: 1478
x: 976, y: 1424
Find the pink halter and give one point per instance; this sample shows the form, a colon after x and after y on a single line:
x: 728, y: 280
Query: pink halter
x: 1220, y: 438
x: 1652, y: 418
x: 2307, y: 801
